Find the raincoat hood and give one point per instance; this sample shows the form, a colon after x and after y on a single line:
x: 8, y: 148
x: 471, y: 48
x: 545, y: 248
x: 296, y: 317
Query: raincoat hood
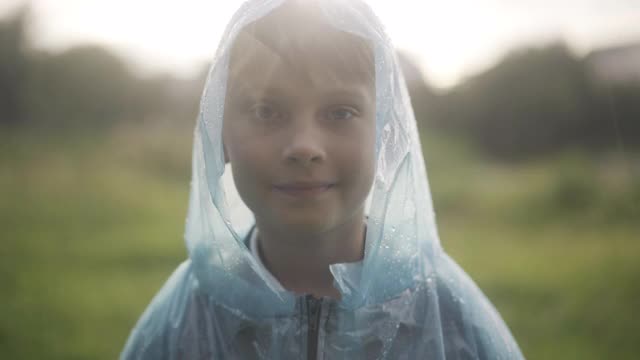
x: 400, y: 215
x: 405, y: 299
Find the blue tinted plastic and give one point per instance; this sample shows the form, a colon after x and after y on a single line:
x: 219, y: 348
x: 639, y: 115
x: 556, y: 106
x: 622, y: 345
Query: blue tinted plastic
x: 405, y: 300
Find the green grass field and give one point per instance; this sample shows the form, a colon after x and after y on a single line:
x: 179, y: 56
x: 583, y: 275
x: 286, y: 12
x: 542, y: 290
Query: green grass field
x: 91, y: 226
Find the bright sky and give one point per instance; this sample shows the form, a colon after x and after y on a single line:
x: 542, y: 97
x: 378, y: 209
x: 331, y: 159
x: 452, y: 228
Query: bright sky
x: 449, y: 39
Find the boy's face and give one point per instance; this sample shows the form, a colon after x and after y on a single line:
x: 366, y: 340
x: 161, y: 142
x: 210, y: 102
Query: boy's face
x: 301, y: 141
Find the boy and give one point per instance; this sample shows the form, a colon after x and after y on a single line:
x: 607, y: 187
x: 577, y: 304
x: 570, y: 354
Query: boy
x: 306, y: 103
x: 300, y: 136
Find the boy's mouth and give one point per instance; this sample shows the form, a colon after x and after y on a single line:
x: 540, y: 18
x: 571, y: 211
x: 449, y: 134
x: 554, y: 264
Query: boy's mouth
x: 303, y: 188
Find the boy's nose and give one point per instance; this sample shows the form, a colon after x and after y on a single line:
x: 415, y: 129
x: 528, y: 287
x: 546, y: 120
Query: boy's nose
x: 304, y: 148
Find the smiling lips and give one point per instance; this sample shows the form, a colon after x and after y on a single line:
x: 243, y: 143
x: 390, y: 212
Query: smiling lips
x: 303, y: 189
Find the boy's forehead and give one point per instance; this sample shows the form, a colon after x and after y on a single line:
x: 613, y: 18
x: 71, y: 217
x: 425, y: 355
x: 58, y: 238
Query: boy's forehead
x: 268, y: 52
x: 256, y: 65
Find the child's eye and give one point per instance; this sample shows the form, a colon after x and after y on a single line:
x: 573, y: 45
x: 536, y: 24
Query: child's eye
x: 341, y: 113
x: 265, y: 112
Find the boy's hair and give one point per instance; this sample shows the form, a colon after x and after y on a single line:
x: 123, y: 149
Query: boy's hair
x: 296, y: 33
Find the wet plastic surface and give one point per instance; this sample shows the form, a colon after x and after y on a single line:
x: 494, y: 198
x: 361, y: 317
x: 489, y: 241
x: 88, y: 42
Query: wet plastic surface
x: 406, y: 300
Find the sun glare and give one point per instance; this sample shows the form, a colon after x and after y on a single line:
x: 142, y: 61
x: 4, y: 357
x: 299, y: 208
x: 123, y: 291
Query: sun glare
x: 448, y: 39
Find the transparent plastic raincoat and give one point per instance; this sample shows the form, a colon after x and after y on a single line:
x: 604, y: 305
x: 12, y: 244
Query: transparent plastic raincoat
x: 405, y: 300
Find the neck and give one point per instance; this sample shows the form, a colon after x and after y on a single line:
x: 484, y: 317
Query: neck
x: 300, y: 261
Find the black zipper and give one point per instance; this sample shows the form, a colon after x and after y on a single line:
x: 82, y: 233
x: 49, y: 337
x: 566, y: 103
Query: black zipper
x: 314, y: 309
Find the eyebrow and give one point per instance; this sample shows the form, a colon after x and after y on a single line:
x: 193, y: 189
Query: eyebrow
x: 355, y: 93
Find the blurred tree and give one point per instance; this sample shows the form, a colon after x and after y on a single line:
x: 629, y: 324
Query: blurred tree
x: 533, y: 102
x: 12, y: 67
x: 618, y: 116
x: 82, y: 86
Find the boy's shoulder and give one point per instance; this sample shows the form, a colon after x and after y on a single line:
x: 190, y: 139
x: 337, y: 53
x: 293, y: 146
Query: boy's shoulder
x: 151, y: 337
x: 184, y: 322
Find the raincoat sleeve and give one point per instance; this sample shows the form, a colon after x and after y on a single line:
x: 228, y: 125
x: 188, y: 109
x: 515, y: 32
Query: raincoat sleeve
x: 471, y: 327
x: 157, y: 333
